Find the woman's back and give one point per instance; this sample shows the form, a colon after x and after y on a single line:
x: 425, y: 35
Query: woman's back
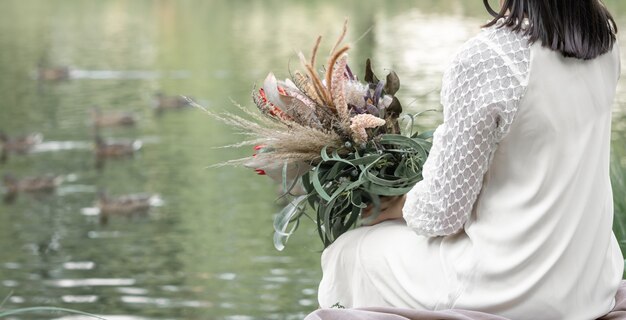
x: 540, y: 230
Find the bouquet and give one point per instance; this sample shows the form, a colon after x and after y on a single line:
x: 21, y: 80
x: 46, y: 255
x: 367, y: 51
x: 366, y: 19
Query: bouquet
x: 334, y: 142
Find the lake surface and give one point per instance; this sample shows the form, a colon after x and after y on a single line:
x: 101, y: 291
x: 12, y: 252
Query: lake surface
x: 206, y: 252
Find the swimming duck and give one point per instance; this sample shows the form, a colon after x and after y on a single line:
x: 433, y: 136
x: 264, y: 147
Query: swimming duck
x: 122, y: 205
x: 44, y: 183
x: 53, y: 73
x: 118, y: 149
x: 161, y: 102
x: 112, y: 118
x: 19, y: 145
x: 109, y: 149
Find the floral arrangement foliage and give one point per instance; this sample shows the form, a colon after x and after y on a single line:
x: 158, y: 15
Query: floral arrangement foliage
x: 334, y: 142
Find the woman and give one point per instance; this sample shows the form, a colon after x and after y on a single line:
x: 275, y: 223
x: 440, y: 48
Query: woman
x: 515, y: 211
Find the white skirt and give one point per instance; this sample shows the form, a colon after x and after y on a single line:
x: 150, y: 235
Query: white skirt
x: 383, y: 265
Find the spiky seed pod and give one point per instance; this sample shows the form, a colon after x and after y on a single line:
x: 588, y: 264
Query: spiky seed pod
x: 304, y: 84
x: 337, y: 88
x: 307, y: 108
x: 266, y: 107
x: 360, y: 123
x: 296, y: 93
x: 260, y: 101
x: 302, y: 114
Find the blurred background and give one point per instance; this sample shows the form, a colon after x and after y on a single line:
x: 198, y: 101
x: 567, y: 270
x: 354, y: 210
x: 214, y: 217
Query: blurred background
x: 88, y: 91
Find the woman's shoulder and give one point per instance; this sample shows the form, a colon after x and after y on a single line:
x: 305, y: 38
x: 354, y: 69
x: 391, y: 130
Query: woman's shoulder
x: 494, y: 46
x: 496, y: 61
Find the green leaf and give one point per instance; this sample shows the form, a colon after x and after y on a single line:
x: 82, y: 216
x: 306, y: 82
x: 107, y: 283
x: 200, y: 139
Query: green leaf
x: 367, y: 160
x: 317, y: 185
x: 353, y: 218
x: 390, y: 165
x: 327, y: 218
x: 425, y: 135
x: 386, y: 191
x: 398, y: 140
x: 342, y: 187
x: 335, y: 169
x: 401, y: 169
x: 283, y: 219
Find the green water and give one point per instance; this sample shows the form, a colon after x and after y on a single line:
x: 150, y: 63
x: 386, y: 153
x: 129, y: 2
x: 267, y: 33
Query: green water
x: 207, y: 252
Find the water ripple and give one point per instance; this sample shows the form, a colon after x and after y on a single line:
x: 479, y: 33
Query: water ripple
x: 79, y: 265
x: 309, y: 291
x: 276, y: 279
x: 12, y: 265
x: 164, y: 302
x: 105, y: 316
x: 10, y: 283
x: 238, y: 317
x: 51, y: 146
x: 273, y: 259
x: 76, y: 188
x: 127, y: 74
x: 92, y: 282
x: 103, y: 234
x: 306, y: 302
x: 132, y: 290
x: 227, y: 276
x: 79, y: 299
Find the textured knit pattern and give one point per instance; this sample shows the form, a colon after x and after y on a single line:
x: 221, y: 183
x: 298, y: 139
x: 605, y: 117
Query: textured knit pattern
x: 480, y: 95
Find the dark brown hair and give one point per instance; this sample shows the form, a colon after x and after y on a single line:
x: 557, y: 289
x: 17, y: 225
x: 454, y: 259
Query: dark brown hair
x: 582, y: 29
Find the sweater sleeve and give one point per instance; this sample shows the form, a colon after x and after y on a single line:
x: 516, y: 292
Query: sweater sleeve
x: 480, y: 96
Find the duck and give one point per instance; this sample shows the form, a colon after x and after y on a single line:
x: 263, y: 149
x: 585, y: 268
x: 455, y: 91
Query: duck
x: 19, y: 145
x: 161, y: 102
x: 109, y: 149
x: 112, y: 118
x: 53, y: 73
x: 43, y: 183
x: 119, y: 149
x: 128, y: 204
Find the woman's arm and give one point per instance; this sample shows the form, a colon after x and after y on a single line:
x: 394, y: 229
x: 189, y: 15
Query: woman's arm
x: 480, y: 96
